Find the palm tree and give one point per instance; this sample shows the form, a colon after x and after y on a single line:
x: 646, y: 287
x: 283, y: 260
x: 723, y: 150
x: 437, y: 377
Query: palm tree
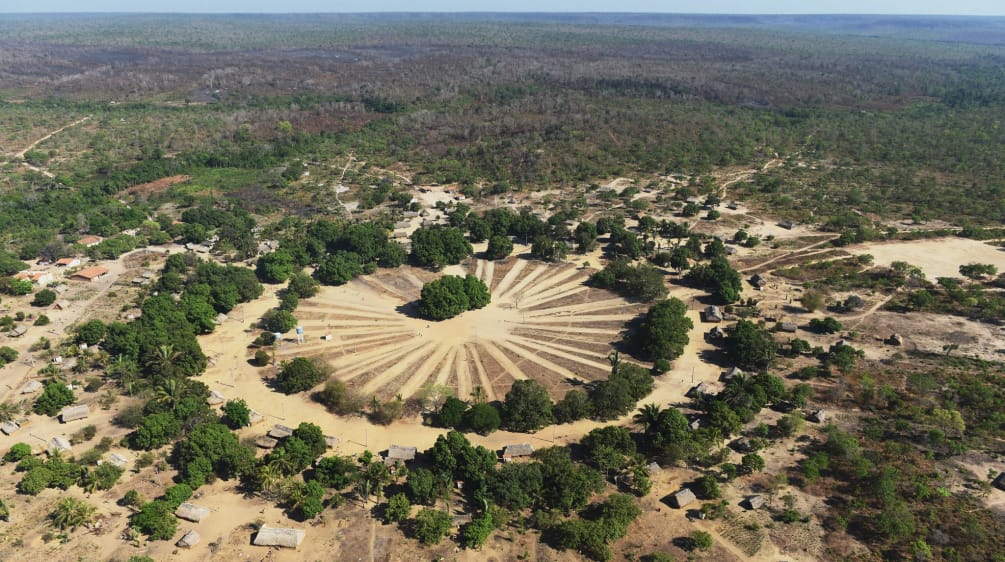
x: 280, y: 461
x: 72, y: 513
x: 170, y: 391
x: 272, y: 478
x: 162, y: 363
x: 478, y: 395
x: 9, y: 412
x: 648, y: 416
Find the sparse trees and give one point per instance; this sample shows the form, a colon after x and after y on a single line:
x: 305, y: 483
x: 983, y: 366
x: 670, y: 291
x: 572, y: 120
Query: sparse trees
x: 301, y: 374
x: 71, y: 513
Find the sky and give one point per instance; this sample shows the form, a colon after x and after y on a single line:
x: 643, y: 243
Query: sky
x: 941, y: 7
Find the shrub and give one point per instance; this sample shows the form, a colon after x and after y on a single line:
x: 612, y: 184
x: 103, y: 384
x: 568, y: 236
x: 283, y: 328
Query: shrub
x: 431, y: 525
x: 278, y: 321
x: 339, y: 398
x: 237, y: 414
x: 42, y: 320
x: 262, y: 358
x: 53, y: 398
x: 398, y: 509
x: 301, y: 374
x: 17, y: 452
x: 45, y: 297
x: 156, y: 520
x: 700, y: 540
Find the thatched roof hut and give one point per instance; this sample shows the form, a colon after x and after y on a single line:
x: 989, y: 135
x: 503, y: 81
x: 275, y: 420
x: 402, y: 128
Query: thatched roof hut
x: 278, y: 536
x: 700, y: 389
x: 215, y: 398
x: 819, y: 416
x: 73, y: 413
x: 517, y: 450
x: 401, y: 453
x: 191, y: 512
x: 683, y: 498
x: 9, y: 427
x: 266, y: 442
x: 280, y: 431
x: 331, y: 441
x: 255, y: 418
x: 118, y: 460
x: 653, y: 468
x: 755, y: 502
x: 30, y: 387
x: 189, y: 539
x: 59, y: 444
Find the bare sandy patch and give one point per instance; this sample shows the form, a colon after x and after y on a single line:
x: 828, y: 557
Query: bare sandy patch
x: 941, y: 257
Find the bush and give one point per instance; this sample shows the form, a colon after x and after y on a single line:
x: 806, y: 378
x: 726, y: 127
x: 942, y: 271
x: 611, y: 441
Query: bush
x: 262, y: 358
x: 300, y: 374
x: 237, y: 414
x: 339, y: 398
x: 53, y: 398
x: 177, y: 494
x: 700, y: 540
x: 17, y: 452
x: 790, y: 516
x: 431, y: 525
x: 482, y: 418
x: 278, y: 321
x: 45, y: 297
x: 499, y: 247
x: 398, y: 509
x: 42, y: 320
x: 156, y: 520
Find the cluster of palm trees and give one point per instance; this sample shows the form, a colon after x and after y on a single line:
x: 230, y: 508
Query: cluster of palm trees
x: 71, y: 513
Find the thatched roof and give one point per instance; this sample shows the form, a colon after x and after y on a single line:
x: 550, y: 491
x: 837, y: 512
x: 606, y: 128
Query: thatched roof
x: 279, y: 536
x: 266, y: 442
x: 255, y: 418
x: 330, y: 441
x: 118, y: 460
x: 9, y: 427
x: 191, y: 512
x: 215, y: 398
x: 653, y: 468
x: 220, y: 318
x: 280, y: 431
x: 732, y: 372
x: 59, y: 444
x: 30, y: 386
x: 400, y: 453
x: 518, y: 450
x: 755, y: 502
x: 789, y: 327
x: 462, y: 519
x: 683, y: 498
x: 190, y: 539
x: 701, y: 388
x: 72, y: 413
x: 819, y: 416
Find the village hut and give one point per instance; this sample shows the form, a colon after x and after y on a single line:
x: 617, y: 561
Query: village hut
x: 755, y: 502
x: 732, y: 372
x: 279, y: 536
x: 30, y: 387
x: 895, y: 339
x: 280, y: 431
x: 715, y: 334
x: 118, y: 460
x: 331, y: 441
x: 818, y: 416
x: 255, y: 418
x: 189, y: 539
x: 788, y: 327
x: 62, y: 305
x: 396, y: 453
x: 73, y: 413
x: 59, y: 445
x: 758, y: 281
x: 700, y: 389
x: 191, y: 512
x: 711, y: 314
x: 9, y: 427
x: 683, y: 498
x: 511, y: 452
x: 266, y: 442
x: 18, y: 331
x: 461, y: 519
x: 215, y: 398
x: 653, y: 468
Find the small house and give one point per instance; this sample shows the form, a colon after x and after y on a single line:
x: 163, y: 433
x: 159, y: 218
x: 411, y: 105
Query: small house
x: 255, y: 418
x: 755, y: 502
x: 118, y: 460
x: 9, y: 427
x: 837, y: 345
x: 73, y: 413
x: 715, y: 334
x: 89, y: 241
x: 653, y: 468
x: 61, y: 288
x: 40, y: 278
x: 220, y: 319
x: 818, y: 416
x: 280, y: 431
x: 215, y: 398
x: 787, y: 327
x: 462, y: 519
x: 189, y: 539
x: 90, y: 273
x: 683, y: 498
x: 278, y: 536
x: 742, y: 445
x: 700, y: 389
x: 266, y: 442
x: 711, y: 314
x: 732, y: 372
x: 59, y: 445
x: 511, y: 452
x: 17, y: 331
x: 30, y: 387
x: 191, y: 512
x: 759, y: 281
x: 331, y: 441
x: 895, y: 339
x: 396, y: 453
x: 68, y: 262
x: 787, y: 225
x: 402, y: 224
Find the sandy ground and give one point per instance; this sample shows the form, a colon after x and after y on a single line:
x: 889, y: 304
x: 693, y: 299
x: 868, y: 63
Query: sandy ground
x: 941, y: 257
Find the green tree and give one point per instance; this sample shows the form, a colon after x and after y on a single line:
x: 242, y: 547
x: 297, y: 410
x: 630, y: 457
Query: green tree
x: 700, y: 540
x: 237, y: 414
x: 444, y: 298
x: 275, y: 267
x: 398, y: 509
x: 750, y: 346
x: 812, y: 300
x: 156, y: 520
x: 477, y: 291
x: 336, y: 472
x: 278, y: 321
x: 71, y: 513
x: 17, y: 452
x: 451, y: 413
x: 53, y: 398
x: 91, y: 332
x: 527, y: 406
x: 300, y: 374
x: 438, y: 246
x: 475, y: 533
x: 302, y: 285
x: 662, y: 333
x: 45, y: 297
x: 566, y: 486
x: 482, y: 418
x: 339, y: 269
x: 499, y: 247
x: 431, y: 525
